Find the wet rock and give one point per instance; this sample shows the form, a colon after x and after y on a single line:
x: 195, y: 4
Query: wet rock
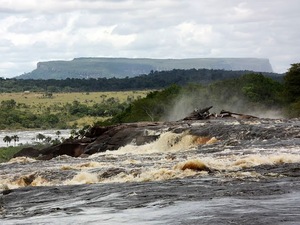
x: 6, y: 192
x: 141, y: 140
x: 66, y: 148
x: 28, y: 152
x: 121, y: 135
x: 199, y: 114
x: 26, y: 180
x: 111, y: 173
x: 285, y: 169
x: 228, y: 132
x: 170, y: 157
x: 56, y: 175
x: 196, y: 165
x: 84, y: 155
x: 135, y: 172
x: 71, y: 149
x: 96, y: 131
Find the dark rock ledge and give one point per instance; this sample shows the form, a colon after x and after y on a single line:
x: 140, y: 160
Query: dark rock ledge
x: 100, y: 139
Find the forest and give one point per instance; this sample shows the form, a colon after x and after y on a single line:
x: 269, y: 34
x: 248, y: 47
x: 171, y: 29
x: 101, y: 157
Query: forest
x: 249, y: 93
x: 153, y: 80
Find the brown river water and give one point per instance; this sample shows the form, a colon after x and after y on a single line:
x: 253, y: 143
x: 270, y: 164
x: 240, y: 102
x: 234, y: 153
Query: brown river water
x: 249, y: 174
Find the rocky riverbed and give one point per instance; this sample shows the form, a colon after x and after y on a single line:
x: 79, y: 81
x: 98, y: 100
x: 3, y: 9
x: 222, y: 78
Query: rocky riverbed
x: 217, y: 171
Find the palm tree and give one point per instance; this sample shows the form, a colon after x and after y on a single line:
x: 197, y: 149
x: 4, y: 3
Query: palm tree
x: 48, y: 139
x: 40, y: 137
x: 7, y: 139
x: 73, y: 133
x: 58, y: 133
x: 15, y: 138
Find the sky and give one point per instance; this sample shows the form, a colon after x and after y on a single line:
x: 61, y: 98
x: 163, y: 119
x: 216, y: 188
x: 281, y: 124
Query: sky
x: 32, y: 30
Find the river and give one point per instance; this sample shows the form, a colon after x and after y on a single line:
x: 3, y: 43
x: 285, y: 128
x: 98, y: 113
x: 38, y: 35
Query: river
x: 29, y: 136
x: 242, y: 180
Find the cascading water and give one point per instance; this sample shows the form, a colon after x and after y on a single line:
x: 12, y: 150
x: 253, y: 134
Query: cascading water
x: 181, y: 178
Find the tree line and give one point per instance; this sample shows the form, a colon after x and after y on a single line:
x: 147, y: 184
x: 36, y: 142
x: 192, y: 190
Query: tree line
x: 250, y: 91
x: 18, y: 116
x: 7, y: 139
x: 153, y: 80
x: 48, y: 140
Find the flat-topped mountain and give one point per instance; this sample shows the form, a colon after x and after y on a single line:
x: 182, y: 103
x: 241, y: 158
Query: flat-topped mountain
x: 130, y: 67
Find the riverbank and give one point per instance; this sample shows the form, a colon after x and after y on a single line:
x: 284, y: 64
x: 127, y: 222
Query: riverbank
x: 28, y: 137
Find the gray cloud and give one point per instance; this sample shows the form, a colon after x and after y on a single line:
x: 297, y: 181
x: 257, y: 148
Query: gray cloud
x: 38, y: 24
x: 32, y: 31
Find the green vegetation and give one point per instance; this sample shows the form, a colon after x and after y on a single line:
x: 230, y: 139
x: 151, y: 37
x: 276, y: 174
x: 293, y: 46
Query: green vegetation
x: 292, y: 90
x: 242, y: 93
x: 245, y: 94
x: 8, y: 152
x: 41, y: 141
x: 151, y: 108
x: 7, y: 139
x: 39, y: 99
x: 61, y: 110
x: 154, y: 80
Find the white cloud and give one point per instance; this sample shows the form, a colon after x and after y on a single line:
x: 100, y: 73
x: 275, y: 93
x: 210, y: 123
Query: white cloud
x: 32, y: 30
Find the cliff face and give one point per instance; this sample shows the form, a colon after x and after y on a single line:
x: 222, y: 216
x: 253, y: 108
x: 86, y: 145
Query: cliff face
x: 129, y: 67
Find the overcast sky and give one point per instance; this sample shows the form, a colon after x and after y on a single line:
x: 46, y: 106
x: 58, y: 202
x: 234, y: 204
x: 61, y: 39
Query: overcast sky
x: 34, y: 30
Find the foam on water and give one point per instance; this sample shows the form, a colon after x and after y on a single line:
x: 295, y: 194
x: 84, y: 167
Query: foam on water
x: 23, y: 181
x: 151, y: 168
x: 212, y: 170
x: 83, y: 178
x: 80, y: 166
x: 168, y: 142
x: 237, y: 162
x: 171, y: 156
x: 21, y: 160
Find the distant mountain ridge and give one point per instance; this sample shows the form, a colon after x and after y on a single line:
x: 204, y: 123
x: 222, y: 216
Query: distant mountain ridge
x: 129, y: 67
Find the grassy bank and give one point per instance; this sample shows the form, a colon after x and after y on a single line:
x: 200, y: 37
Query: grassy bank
x: 62, y: 110
x: 37, y: 99
x: 6, y: 153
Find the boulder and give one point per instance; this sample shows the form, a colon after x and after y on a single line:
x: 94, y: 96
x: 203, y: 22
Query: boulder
x: 66, y: 148
x: 121, y: 135
x: 100, y: 139
x: 28, y: 152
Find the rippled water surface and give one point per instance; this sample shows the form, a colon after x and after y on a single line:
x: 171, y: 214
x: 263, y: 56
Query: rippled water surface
x: 249, y: 178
